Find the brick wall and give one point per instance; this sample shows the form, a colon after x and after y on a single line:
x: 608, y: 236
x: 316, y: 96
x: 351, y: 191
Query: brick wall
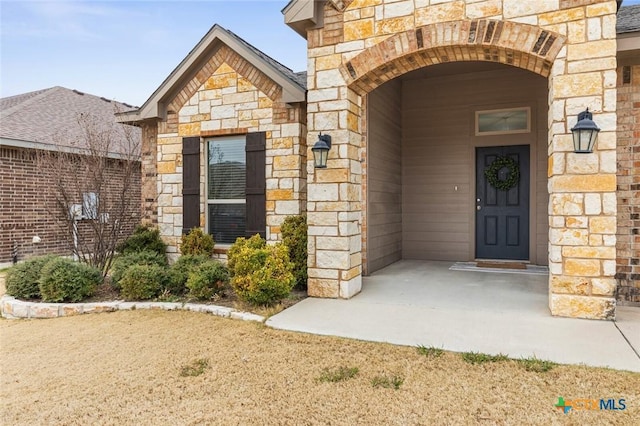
x: 27, y: 209
x: 628, y: 238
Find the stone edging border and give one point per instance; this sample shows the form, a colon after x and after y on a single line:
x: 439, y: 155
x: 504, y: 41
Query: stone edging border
x: 12, y: 308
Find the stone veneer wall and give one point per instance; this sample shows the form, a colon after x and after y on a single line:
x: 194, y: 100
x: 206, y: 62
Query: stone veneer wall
x: 365, y: 43
x: 229, y: 96
x: 628, y: 245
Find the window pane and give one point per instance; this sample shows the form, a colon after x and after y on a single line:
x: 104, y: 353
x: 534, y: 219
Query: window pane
x: 513, y: 120
x: 226, y: 222
x: 227, y: 169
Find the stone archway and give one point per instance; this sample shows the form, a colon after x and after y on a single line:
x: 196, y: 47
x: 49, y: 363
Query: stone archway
x: 582, y: 225
x: 510, y: 43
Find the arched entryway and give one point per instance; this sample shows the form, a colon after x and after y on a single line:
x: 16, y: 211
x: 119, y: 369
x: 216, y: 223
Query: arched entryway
x: 430, y: 134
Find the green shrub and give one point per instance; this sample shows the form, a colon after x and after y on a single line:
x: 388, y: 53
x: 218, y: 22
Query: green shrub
x: 207, y: 280
x: 179, y: 272
x: 125, y: 261
x: 262, y: 276
x: 22, y: 279
x: 294, y: 236
x: 143, y: 238
x: 197, y: 242
x: 143, y: 282
x: 66, y: 280
x: 255, y: 242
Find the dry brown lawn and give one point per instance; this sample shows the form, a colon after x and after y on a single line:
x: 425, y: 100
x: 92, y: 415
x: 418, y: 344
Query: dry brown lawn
x: 126, y: 368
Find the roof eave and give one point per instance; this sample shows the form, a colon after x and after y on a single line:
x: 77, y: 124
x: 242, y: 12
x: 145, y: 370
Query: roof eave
x: 628, y: 47
x: 42, y: 146
x: 154, y: 107
x: 302, y: 15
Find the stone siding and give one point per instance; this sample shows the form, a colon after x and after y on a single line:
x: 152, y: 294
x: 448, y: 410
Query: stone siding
x: 572, y: 43
x: 229, y: 96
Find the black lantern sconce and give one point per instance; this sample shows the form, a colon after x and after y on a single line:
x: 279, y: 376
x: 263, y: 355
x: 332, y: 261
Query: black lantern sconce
x: 321, y: 151
x: 585, y: 133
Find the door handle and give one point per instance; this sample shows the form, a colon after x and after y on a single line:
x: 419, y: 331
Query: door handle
x: 478, y: 207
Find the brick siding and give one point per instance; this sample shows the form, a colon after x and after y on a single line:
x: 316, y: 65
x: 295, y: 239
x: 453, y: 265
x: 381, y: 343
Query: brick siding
x: 628, y: 238
x: 26, y: 207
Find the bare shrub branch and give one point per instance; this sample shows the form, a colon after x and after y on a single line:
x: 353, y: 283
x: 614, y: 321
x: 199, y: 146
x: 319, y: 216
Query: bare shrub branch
x: 93, y: 179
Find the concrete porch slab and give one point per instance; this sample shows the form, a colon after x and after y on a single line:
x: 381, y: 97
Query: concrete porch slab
x: 423, y: 303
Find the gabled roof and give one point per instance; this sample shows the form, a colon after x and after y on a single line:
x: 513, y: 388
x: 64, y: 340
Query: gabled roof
x: 628, y: 19
x: 48, y: 119
x: 293, y: 90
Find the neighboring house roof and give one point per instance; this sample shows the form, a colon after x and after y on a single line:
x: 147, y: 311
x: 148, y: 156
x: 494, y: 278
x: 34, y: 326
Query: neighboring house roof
x: 628, y: 19
x: 154, y: 107
x: 48, y: 119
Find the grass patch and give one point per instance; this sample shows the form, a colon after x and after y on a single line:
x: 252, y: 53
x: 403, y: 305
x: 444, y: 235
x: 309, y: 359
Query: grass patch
x: 388, y: 382
x: 195, y: 368
x: 429, y: 352
x: 339, y: 374
x: 536, y: 365
x: 480, y: 358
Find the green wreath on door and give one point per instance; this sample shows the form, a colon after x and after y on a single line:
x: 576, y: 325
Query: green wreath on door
x: 491, y: 173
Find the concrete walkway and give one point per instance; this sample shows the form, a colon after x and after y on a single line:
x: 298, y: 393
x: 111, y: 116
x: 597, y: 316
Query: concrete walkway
x: 424, y: 303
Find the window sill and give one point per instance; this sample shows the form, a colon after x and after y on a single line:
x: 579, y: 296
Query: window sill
x: 221, y: 249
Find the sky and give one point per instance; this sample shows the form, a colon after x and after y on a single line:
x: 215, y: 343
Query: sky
x: 123, y: 50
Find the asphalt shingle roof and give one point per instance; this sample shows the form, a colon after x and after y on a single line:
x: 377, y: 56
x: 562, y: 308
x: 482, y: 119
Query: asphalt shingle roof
x: 628, y: 19
x: 284, y: 70
x: 50, y: 116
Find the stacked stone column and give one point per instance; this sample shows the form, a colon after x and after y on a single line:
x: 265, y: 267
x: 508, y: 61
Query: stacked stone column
x: 334, y: 194
x: 582, y: 204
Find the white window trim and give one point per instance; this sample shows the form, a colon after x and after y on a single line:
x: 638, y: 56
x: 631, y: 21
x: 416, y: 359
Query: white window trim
x: 502, y: 132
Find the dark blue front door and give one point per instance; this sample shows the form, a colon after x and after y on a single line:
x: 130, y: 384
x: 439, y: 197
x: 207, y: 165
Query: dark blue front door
x: 502, y: 216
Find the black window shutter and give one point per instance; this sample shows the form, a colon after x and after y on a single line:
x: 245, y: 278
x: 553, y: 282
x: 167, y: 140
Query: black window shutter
x: 190, y: 183
x: 256, y: 184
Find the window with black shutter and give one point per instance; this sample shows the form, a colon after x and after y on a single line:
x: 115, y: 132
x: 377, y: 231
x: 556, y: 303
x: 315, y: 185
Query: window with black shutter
x: 190, y: 183
x: 236, y: 187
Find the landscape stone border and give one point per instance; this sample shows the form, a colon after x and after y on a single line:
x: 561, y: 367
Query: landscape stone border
x: 12, y: 308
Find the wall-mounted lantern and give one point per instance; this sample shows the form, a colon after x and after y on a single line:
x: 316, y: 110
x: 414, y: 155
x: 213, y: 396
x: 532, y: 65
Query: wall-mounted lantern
x: 585, y: 133
x: 321, y: 151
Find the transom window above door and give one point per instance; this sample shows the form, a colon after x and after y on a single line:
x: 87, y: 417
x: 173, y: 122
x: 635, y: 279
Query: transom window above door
x: 226, y: 188
x: 503, y: 121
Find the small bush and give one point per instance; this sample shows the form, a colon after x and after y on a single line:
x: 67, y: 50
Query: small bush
x: 197, y: 242
x: 262, y: 276
x: 180, y: 271
x: 338, y: 374
x: 64, y: 280
x: 143, y: 238
x: 207, y: 280
x: 125, y: 261
x: 255, y: 242
x: 143, y: 282
x: 294, y: 236
x: 22, y: 279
